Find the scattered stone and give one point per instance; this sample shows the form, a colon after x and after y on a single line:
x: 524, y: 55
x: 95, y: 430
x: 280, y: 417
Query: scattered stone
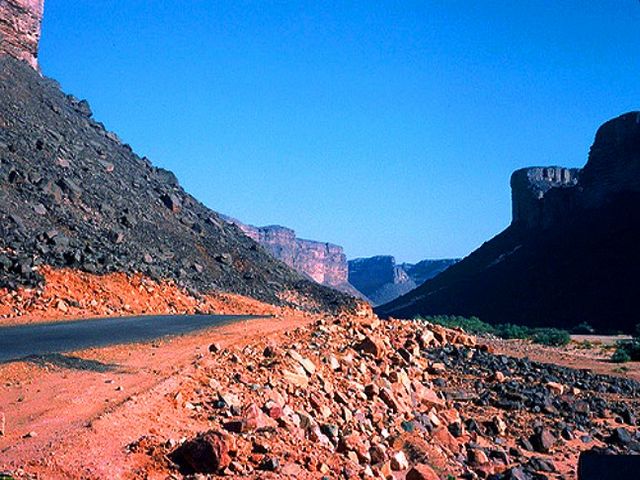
x: 542, y: 440
x: 422, y: 472
x: 206, y: 453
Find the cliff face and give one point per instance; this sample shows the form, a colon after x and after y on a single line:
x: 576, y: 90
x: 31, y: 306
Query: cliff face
x: 427, y: 269
x: 569, y: 256
x: 325, y: 263
x: 20, y: 29
x: 544, y: 196
x: 541, y: 196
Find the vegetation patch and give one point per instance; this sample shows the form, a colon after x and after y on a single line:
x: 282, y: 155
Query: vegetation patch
x: 628, y: 350
x: 545, y: 336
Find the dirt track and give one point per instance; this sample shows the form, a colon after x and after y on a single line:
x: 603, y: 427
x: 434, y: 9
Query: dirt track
x: 84, y: 411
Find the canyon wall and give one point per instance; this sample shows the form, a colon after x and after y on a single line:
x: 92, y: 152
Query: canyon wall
x: 570, y: 255
x: 540, y: 196
x: 325, y: 263
x: 544, y: 196
x: 20, y: 22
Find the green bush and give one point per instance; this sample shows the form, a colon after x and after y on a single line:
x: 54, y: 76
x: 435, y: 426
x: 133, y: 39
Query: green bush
x: 473, y: 325
x: 510, y: 331
x: 552, y: 337
x: 469, y: 324
x: 620, y: 356
x: 630, y: 349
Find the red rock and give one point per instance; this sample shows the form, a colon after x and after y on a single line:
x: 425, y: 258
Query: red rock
x: 372, y: 346
x: 206, y: 453
x: 422, y: 472
x: 477, y: 457
x: 273, y: 410
x: 426, y: 396
x: 444, y: 437
x: 295, y: 379
x: 399, y: 461
x: 255, y: 419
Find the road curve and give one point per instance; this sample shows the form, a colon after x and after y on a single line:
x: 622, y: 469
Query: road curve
x: 21, y: 341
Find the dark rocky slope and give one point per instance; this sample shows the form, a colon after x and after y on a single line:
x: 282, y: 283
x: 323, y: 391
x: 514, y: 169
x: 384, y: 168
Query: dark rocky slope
x: 570, y: 255
x: 73, y: 195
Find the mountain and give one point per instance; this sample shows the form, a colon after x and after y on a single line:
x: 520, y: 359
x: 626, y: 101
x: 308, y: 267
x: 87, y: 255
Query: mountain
x: 381, y: 280
x: 570, y: 254
x: 74, y: 195
x: 426, y: 269
x: 322, y: 262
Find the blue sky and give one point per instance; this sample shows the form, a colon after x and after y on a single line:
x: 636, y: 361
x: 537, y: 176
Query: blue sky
x: 387, y: 127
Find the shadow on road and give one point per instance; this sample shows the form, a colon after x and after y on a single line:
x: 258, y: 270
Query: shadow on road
x: 71, y: 363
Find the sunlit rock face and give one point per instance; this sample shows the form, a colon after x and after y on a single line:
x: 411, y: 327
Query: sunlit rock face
x: 323, y: 262
x: 20, y: 22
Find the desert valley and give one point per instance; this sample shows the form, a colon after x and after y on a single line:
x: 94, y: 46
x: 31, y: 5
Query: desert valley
x: 144, y: 335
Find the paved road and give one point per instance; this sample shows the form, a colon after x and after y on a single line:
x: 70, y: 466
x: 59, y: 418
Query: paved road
x: 25, y: 340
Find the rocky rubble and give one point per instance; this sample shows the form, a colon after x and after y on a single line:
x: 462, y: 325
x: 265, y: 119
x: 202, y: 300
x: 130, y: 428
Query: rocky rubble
x: 361, y: 398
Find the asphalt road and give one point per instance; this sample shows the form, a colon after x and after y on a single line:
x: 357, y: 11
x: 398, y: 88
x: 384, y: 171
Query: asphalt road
x: 45, y: 338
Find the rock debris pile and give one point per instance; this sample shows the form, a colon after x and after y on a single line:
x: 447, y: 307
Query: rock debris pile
x: 360, y: 398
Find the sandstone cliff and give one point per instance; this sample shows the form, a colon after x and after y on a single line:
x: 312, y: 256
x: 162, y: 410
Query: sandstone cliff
x: 325, y: 263
x: 20, y: 29
x: 569, y: 256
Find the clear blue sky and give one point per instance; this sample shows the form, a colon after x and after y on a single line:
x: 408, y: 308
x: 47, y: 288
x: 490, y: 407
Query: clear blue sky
x: 386, y: 127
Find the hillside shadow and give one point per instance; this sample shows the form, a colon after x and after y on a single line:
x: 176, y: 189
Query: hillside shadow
x: 71, y: 363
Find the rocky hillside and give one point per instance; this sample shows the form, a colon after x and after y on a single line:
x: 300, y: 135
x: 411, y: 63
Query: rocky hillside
x: 73, y: 195
x: 381, y: 280
x: 570, y: 254
x: 324, y: 263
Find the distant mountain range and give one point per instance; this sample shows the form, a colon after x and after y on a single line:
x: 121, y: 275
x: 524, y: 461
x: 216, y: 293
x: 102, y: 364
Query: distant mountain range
x: 570, y: 254
x: 381, y: 280
x: 377, y: 279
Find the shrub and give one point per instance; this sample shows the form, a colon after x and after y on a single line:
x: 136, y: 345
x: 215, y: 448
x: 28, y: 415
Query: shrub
x: 620, y: 356
x: 510, y: 331
x: 473, y: 325
x: 631, y: 348
x: 552, y: 337
x: 469, y: 324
